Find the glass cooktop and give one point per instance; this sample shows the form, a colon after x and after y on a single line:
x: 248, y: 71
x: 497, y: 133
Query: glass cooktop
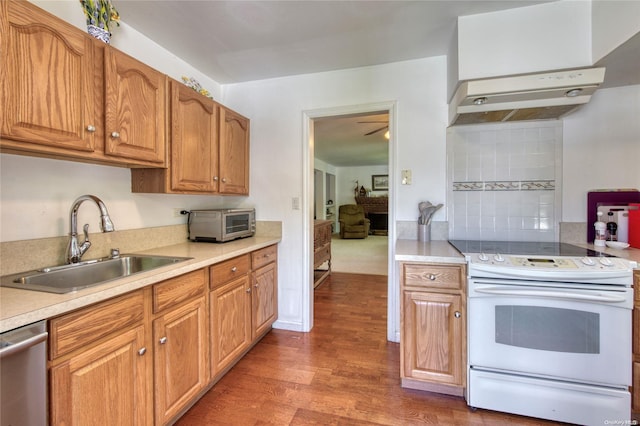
x: 529, y: 248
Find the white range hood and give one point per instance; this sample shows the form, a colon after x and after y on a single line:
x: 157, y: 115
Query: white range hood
x: 524, y: 97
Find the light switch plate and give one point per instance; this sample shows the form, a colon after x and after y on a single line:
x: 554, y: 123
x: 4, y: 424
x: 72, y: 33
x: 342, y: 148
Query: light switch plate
x: 406, y: 177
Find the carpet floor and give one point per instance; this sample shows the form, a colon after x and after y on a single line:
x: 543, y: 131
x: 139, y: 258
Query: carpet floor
x: 360, y: 256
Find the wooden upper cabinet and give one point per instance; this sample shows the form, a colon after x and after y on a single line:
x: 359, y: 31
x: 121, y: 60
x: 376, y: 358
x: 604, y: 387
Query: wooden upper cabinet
x: 234, y: 153
x: 194, y: 144
x: 48, y: 82
x: 209, y: 151
x: 135, y: 110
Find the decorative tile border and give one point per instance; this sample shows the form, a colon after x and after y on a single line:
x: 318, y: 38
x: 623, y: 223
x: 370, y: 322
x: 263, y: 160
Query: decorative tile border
x: 502, y: 186
x: 468, y: 186
x: 516, y: 185
x: 538, y: 185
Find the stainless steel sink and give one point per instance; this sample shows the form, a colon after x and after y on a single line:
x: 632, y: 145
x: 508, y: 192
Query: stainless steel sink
x: 72, y: 277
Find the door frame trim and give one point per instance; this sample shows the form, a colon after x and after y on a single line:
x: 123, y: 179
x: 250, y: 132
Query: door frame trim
x: 308, y: 117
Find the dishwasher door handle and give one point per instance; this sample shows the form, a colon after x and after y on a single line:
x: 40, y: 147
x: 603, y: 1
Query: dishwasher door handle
x: 22, y: 345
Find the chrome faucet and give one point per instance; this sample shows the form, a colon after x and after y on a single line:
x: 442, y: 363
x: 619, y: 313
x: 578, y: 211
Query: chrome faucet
x: 75, y: 250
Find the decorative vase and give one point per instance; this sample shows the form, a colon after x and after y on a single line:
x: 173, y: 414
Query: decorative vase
x: 99, y: 33
x: 424, y: 233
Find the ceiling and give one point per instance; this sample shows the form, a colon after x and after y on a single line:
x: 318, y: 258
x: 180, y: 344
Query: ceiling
x: 348, y: 141
x: 237, y: 41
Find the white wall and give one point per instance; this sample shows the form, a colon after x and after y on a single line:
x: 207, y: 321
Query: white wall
x: 347, y: 177
x: 276, y: 110
x: 529, y: 39
x: 601, y: 148
x: 613, y: 23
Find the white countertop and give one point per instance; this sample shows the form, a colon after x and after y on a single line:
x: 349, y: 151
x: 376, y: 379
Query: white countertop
x: 433, y: 251
x: 21, y: 307
x: 442, y: 251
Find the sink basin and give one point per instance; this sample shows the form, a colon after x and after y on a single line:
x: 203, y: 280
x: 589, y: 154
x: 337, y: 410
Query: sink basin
x: 68, y: 278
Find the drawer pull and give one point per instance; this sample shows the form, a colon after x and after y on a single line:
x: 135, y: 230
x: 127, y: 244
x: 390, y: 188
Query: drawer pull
x: 457, y: 314
x: 234, y: 269
x: 142, y: 351
x: 432, y: 277
x: 163, y: 340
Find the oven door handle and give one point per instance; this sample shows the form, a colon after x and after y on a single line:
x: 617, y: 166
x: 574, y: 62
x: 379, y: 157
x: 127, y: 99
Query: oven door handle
x: 562, y: 294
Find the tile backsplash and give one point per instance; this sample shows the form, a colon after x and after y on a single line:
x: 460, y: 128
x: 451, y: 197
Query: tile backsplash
x: 504, y: 181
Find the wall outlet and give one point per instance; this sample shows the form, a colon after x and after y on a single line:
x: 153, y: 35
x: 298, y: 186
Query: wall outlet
x: 295, y: 203
x: 176, y: 212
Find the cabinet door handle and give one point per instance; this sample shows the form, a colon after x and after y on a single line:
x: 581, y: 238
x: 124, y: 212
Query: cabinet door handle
x: 256, y: 285
x: 142, y: 351
x: 163, y: 340
x: 457, y: 314
x: 224, y: 180
x: 249, y: 290
x: 234, y: 269
x: 91, y: 128
x: 115, y: 135
x: 215, y: 178
x: 432, y: 277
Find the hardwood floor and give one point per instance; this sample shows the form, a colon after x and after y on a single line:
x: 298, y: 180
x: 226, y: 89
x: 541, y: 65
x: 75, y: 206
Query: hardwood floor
x: 344, y: 372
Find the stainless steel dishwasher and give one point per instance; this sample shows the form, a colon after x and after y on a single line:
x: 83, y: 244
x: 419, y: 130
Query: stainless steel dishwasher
x: 23, y: 376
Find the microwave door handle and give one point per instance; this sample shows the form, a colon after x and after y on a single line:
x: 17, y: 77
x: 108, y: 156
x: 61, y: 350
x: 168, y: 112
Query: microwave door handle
x: 554, y: 294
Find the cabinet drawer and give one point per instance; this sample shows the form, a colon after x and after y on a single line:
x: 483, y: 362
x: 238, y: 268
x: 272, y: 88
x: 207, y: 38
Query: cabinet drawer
x: 321, y: 255
x: 263, y: 256
x: 80, y: 328
x: 173, y: 292
x: 434, y: 276
x: 229, y: 269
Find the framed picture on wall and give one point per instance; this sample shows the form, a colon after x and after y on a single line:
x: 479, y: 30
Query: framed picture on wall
x: 379, y: 182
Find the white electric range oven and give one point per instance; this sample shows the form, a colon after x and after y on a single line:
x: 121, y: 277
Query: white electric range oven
x: 549, y: 331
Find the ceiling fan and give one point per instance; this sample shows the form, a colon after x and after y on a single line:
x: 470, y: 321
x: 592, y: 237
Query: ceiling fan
x: 385, y: 127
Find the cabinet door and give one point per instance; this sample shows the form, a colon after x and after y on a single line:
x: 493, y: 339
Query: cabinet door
x: 234, y: 153
x: 180, y: 358
x: 432, y: 337
x: 109, y: 384
x: 135, y: 110
x: 194, y: 141
x: 47, y: 84
x: 230, y: 322
x: 264, y: 299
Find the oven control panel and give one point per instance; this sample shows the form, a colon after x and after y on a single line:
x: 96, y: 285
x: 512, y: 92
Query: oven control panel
x: 549, y: 262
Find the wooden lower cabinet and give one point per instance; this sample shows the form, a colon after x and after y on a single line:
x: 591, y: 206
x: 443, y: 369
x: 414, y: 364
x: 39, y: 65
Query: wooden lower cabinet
x: 180, y: 349
x: 264, y: 300
x: 230, y: 323
x: 100, y: 369
x: 145, y: 357
x: 433, y: 331
x: 264, y: 296
x: 244, y: 305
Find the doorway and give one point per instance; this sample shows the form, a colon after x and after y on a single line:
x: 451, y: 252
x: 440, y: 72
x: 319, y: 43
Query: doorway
x: 309, y: 200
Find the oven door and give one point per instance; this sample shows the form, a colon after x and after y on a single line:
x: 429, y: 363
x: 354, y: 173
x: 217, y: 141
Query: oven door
x: 536, y: 329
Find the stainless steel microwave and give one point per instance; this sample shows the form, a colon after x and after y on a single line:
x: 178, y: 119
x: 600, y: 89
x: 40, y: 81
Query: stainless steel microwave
x: 221, y: 225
